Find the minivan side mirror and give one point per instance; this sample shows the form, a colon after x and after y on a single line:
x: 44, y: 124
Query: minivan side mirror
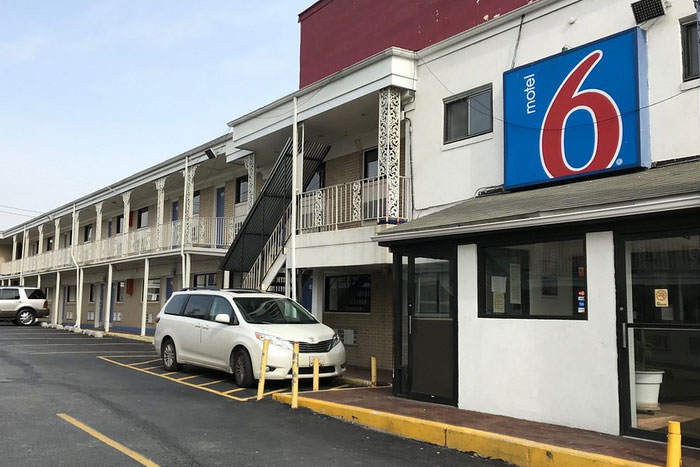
x: 222, y: 318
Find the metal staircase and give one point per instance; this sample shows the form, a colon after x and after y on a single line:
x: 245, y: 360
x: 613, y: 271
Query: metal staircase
x: 259, y: 250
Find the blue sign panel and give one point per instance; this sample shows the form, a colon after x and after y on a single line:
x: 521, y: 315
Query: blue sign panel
x: 577, y: 113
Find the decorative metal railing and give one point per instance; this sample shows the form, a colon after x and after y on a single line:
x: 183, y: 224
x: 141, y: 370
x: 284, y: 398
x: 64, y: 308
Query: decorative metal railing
x: 349, y: 204
x: 201, y: 232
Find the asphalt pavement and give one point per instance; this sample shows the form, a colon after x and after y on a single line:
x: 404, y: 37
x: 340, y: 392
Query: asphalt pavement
x: 69, y: 399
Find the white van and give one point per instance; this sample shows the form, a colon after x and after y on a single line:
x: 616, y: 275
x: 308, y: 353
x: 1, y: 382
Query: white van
x: 225, y: 329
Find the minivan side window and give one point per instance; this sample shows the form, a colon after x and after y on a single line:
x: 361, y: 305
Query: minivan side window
x: 9, y: 294
x: 174, y: 306
x: 221, y: 306
x: 198, y: 306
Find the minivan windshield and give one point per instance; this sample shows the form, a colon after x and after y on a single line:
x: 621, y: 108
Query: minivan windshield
x: 273, y: 310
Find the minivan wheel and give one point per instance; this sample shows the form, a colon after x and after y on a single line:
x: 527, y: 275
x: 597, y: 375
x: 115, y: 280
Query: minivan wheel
x: 242, y: 368
x: 25, y: 318
x: 170, y: 356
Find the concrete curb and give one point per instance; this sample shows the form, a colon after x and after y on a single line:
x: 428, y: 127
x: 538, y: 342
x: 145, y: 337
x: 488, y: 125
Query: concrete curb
x: 517, y: 451
x: 130, y: 336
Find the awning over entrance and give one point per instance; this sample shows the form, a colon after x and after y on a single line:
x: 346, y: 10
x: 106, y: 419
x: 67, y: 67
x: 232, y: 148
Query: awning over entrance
x: 663, y: 188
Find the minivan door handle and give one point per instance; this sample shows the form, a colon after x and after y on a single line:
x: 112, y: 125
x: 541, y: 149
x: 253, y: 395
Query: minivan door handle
x: 197, y: 325
x: 205, y: 327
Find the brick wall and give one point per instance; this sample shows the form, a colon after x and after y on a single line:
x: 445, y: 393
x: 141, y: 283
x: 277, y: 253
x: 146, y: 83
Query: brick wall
x: 344, y: 169
x: 374, y: 330
x: 230, y: 198
x: 206, y: 202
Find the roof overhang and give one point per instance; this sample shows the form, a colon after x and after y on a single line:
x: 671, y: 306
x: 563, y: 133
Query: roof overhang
x: 391, y: 67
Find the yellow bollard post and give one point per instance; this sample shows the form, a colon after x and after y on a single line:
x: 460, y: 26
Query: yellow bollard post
x: 673, y: 448
x: 373, y: 369
x: 295, y: 376
x: 316, y: 371
x: 263, y: 367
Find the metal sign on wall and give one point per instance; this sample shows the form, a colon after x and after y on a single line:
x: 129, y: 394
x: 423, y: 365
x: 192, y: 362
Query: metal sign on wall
x: 578, y: 113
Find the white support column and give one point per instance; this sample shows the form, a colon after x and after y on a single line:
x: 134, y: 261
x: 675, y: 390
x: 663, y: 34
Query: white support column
x: 160, y: 210
x: 25, y: 238
x: 249, y: 163
x: 188, y: 269
x: 98, y: 222
x: 144, y: 302
x: 188, y: 203
x: 227, y: 279
x: 108, y: 299
x: 56, y: 237
x: 38, y: 281
x: 389, y: 147
x: 317, y: 294
x: 291, y: 290
x: 56, y: 299
x: 74, y: 231
x: 41, y: 239
x: 14, y: 247
x: 126, y: 198
x: 79, y: 299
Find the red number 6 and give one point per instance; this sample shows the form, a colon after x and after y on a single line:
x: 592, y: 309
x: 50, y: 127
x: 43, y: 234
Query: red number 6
x: 607, y: 124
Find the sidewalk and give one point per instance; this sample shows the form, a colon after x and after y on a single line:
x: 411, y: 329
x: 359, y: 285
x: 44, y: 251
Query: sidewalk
x: 519, y: 442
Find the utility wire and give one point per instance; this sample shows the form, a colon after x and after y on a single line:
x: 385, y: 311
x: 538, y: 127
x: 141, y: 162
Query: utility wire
x: 19, y: 209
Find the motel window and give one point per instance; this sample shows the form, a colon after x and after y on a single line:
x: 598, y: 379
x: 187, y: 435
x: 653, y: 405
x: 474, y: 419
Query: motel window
x: 153, y: 292
x: 142, y: 218
x: 689, y: 39
x: 87, y: 233
x: 120, y: 291
x: 70, y: 293
x: 195, y: 203
x: 318, y: 180
x: 35, y: 248
x: 241, y: 189
x: 205, y: 280
x: 371, y: 163
x: 49, y: 244
x: 536, y: 280
x: 351, y: 293
x: 20, y: 248
x: 92, y: 293
x: 120, y: 223
x: 468, y: 114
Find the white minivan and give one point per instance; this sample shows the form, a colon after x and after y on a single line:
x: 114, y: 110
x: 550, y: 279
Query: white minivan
x: 225, y: 329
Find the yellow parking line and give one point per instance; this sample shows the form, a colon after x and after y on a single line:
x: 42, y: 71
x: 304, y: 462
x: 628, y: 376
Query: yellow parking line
x: 108, y: 441
x: 169, y: 373
x: 268, y: 393
x: 228, y: 396
x: 188, y: 377
x: 211, y: 382
x: 152, y: 367
x: 147, y: 361
x: 340, y: 387
x: 233, y: 390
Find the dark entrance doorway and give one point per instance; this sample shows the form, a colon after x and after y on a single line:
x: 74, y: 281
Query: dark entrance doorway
x: 425, y: 331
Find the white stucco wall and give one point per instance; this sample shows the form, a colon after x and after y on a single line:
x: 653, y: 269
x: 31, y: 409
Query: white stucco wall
x: 465, y: 166
x: 553, y: 371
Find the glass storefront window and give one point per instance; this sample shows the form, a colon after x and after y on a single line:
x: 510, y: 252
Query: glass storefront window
x: 540, y: 280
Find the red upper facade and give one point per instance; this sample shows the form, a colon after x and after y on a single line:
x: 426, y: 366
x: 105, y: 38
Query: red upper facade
x: 338, y: 33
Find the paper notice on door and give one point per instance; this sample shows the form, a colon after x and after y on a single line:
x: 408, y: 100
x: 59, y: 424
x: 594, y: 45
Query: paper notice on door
x: 498, y: 284
x: 667, y: 314
x: 499, y: 302
x: 515, y: 293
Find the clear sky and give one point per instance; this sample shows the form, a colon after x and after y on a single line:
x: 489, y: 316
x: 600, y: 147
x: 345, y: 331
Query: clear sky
x: 93, y: 91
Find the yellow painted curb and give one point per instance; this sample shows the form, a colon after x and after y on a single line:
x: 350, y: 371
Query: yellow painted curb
x: 517, y: 451
x: 130, y: 336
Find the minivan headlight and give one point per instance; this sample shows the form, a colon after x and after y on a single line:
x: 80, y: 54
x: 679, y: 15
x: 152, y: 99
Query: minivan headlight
x: 274, y: 340
x: 335, y: 340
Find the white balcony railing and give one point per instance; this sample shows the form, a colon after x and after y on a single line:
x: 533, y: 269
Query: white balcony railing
x: 209, y: 232
x: 349, y: 204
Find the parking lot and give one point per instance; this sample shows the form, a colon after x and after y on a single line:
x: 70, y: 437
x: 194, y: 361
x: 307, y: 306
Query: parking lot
x: 69, y: 399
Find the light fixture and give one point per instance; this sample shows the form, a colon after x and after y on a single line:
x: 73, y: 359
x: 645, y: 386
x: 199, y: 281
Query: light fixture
x: 645, y: 10
x: 210, y: 154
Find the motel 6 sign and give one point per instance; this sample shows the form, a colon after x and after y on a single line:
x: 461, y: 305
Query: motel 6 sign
x: 577, y: 113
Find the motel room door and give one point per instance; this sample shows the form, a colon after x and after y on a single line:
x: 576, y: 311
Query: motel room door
x: 426, y: 340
